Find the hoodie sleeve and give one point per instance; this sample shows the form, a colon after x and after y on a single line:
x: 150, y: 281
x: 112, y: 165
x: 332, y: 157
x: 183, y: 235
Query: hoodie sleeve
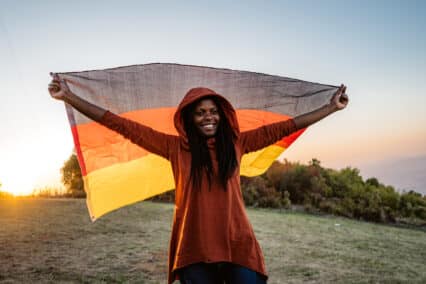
x: 151, y: 140
x: 266, y: 135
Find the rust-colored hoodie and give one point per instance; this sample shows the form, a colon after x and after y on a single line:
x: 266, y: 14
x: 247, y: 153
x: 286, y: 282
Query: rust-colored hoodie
x: 208, y: 225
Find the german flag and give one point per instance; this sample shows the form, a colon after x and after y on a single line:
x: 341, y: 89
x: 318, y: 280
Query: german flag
x: 117, y: 173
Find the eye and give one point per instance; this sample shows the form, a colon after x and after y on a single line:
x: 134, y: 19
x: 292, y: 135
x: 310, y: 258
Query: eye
x: 215, y: 111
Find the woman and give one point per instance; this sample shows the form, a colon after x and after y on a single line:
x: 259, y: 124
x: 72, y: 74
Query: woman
x: 212, y: 240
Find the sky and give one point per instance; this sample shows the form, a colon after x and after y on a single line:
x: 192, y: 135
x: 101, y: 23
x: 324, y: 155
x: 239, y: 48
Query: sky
x: 377, y: 48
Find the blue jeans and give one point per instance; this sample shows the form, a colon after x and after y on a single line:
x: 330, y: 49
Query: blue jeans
x: 219, y: 273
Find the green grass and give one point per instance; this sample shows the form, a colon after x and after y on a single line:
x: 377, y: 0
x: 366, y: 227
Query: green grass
x: 51, y: 241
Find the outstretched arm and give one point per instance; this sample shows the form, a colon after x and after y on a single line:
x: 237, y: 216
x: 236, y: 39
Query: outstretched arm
x: 59, y: 90
x: 144, y: 136
x: 338, y: 102
x: 261, y: 137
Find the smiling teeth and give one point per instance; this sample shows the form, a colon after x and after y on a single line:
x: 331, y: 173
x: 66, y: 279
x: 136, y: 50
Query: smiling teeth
x: 208, y: 126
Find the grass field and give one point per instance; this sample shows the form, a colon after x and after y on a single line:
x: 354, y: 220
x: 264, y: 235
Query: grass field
x: 51, y: 241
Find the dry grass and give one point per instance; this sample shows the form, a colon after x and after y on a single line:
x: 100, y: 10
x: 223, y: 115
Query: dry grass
x: 51, y: 241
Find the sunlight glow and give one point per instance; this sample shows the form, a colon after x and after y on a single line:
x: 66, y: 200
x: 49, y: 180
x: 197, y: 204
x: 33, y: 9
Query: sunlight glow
x: 17, y: 185
x: 19, y: 175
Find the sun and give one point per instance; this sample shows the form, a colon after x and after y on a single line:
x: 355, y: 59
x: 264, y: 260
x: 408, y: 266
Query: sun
x: 17, y: 185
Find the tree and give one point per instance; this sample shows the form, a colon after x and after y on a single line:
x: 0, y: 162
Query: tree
x: 72, y: 179
x: 373, y: 181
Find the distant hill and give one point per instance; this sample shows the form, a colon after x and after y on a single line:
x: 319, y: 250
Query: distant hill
x: 403, y: 174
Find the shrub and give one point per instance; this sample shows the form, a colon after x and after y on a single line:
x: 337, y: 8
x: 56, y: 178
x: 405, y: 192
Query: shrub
x: 258, y: 192
x: 342, y: 192
x: 412, y: 204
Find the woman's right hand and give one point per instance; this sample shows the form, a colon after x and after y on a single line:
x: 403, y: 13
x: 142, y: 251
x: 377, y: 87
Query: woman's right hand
x: 58, y: 88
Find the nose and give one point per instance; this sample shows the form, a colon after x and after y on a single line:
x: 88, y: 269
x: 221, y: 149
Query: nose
x: 208, y: 116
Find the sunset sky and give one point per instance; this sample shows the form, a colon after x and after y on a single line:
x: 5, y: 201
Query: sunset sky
x: 377, y: 48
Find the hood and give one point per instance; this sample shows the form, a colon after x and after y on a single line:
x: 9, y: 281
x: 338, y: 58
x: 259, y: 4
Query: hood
x: 198, y: 93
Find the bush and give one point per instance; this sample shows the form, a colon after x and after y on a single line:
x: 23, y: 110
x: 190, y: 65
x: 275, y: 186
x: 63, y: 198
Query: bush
x: 297, y: 182
x: 342, y: 192
x: 412, y: 204
x: 258, y: 192
x: 285, y: 200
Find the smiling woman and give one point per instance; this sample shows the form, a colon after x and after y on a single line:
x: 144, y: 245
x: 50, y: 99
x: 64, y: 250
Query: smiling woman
x: 206, y: 117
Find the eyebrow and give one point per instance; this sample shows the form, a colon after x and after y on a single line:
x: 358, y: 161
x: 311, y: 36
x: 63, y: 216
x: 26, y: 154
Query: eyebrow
x: 204, y: 108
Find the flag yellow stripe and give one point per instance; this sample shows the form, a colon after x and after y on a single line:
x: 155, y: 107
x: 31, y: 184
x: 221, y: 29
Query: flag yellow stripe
x: 125, y: 183
x: 121, y: 184
x: 256, y: 163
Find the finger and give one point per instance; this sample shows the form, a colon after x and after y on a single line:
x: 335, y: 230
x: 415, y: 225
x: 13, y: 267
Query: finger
x: 55, y: 76
x: 54, y: 83
x: 54, y: 89
x: 344, y: 99
x: 54, y: 86
x: 339, y: 91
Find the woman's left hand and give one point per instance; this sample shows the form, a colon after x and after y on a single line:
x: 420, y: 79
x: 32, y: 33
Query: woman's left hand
x: 340, y: 100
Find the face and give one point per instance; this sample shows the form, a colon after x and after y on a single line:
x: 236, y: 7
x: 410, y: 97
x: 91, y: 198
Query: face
x: 206, y: 117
